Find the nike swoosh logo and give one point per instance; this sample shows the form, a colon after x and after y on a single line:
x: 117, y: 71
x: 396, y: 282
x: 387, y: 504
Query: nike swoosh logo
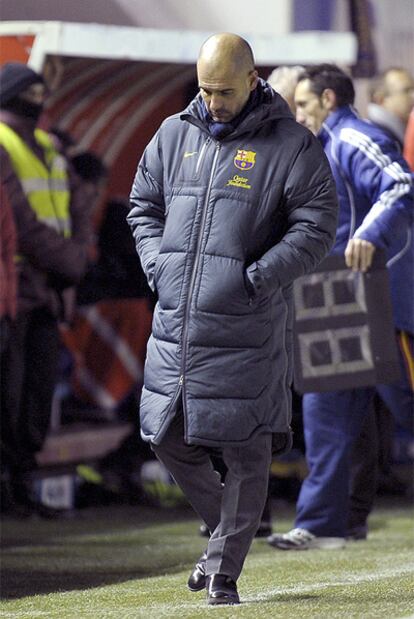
x: 187, y: 154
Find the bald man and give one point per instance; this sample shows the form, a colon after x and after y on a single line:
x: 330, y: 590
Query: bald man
x: 392, y: 99
x: 231, y: 202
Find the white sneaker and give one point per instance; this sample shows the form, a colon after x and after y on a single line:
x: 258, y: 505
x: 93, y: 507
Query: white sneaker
x: 301, y: 539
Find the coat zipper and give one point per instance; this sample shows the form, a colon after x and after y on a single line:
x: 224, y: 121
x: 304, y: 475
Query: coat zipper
x: 180, y: 385
x: 201, y: 155
x: 194, y: 273
x: 171, y: 407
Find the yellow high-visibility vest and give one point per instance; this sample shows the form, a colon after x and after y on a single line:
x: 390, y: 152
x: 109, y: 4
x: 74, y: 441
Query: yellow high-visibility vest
x: 45, y: 186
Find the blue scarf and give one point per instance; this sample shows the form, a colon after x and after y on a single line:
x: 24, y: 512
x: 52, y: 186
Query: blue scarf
x: 220, y: 130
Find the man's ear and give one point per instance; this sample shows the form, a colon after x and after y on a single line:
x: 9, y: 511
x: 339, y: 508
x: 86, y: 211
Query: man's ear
x: 378, y: 97
x: 328, y: 99
x: 254, y: 78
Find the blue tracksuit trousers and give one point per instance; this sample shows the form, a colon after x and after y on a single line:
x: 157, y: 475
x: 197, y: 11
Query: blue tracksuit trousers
x: 332, y: 421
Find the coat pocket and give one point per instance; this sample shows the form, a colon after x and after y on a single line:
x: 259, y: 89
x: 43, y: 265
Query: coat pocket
x: 257, y: 288
x: 168, y: 279
x: 222, y: 287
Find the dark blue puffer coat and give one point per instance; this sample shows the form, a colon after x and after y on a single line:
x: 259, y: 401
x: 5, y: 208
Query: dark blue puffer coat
x: 222, y: 229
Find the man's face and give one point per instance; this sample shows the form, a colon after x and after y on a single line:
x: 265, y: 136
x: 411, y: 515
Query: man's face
x: 225, y: 91
x: 311, y: 110
x: 36, y: 93
x: 399, y: 94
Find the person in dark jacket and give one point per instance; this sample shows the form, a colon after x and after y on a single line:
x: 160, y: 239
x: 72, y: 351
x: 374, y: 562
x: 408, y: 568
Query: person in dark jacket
x: 375, y: 190
x: 231, y: 202
x: 8, y: 276
x: 53, y: 225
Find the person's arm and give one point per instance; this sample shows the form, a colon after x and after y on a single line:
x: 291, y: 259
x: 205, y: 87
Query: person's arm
x: 8, y: 280
x: 41, y: 244
x: 381, y: 175
x: 81, y: 213
x: 147, y: 214
x: 311, y: 208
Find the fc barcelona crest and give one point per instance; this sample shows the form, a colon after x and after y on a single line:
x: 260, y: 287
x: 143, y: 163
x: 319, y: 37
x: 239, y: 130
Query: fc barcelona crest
x: 245, y: 159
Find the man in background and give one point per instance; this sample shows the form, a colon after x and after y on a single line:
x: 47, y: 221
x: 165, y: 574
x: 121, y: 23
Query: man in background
x: 8, y: 277
x: 53, y: 226
x: 284, y: 79
x: 376, y: 212
x: 392, y: 99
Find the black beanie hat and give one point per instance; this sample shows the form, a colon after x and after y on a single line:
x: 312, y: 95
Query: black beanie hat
x: 14, y: 78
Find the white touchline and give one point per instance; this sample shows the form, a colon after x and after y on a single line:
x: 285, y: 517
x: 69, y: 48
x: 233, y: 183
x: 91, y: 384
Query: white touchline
x: 344, y: 580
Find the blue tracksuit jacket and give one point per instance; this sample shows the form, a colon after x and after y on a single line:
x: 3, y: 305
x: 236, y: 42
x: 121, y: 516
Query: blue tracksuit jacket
x: 376, y: 200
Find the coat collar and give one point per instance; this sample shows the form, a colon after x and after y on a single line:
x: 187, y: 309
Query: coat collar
x: 270, y: 106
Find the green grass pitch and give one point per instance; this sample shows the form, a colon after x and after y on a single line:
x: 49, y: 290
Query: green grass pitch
x: 130, y: 562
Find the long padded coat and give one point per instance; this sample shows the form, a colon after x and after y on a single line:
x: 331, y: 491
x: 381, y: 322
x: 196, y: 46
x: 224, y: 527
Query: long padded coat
x: 222, y: 228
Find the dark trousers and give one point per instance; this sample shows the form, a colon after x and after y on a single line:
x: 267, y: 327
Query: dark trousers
x: 332, y: 423
x: 29, y: 370
x: 231, y: 511
x: 363, y: 473
x: 371, y: 463
x: 372, y: 452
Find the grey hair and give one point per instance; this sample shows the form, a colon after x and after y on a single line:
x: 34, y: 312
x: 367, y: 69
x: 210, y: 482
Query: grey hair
x: 285, y: 78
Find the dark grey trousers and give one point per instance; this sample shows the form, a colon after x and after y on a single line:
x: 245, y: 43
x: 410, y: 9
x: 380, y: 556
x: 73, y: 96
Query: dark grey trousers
x: 232, y: 512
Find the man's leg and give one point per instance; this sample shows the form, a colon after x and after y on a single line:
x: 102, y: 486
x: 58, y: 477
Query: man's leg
x: 35, y: 355
x: 244, y: 496
x: 12, y: 378
x: 42, y: 349
x: 191, y: 467
x: 363, y: 476
x: 332, y: 421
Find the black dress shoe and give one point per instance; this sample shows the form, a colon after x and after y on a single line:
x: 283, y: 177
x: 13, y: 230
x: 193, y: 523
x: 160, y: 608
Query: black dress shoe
x: 221, y: 589
x: 197, y: 580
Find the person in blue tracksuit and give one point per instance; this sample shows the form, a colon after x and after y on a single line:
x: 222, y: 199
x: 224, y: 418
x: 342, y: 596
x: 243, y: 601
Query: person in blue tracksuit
x: 375, y: 192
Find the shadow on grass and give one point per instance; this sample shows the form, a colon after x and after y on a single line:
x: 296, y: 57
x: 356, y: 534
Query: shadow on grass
x: 16, y: 585
x: 97, y: 548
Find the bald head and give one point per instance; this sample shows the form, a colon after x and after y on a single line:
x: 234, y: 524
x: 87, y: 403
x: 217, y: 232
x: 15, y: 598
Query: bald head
x: 394, y: 90
x: 227, y: 48
x: 226, y: 75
